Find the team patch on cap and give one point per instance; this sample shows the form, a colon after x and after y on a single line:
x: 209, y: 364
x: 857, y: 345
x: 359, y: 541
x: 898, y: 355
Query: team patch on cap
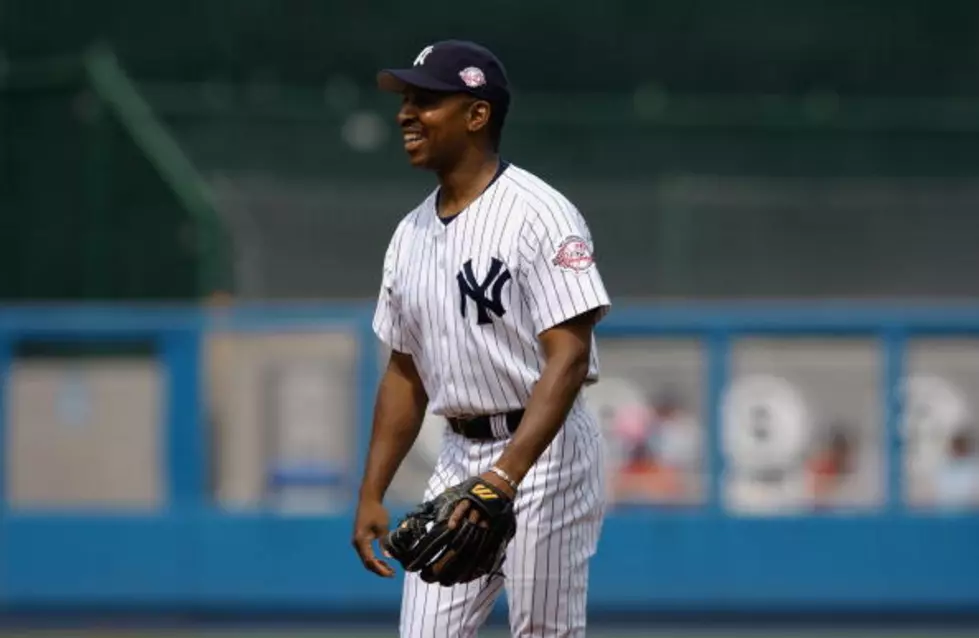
x: 574, y: 254
x: 473, y: 77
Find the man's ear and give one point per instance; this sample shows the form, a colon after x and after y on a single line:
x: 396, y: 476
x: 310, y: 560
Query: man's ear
x: 479, y: 115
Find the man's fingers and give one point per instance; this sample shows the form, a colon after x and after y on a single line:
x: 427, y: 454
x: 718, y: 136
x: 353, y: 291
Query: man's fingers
x: 365, y: 549
x: 457, y: 514
x: 443, y: 560
x: 475, y: 518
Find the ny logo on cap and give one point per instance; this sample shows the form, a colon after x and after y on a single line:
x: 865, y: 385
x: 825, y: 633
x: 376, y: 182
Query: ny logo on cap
x: 420, y: 60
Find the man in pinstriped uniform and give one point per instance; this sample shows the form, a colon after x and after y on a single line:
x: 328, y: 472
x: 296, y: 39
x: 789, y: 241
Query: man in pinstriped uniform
x: 488, y: 300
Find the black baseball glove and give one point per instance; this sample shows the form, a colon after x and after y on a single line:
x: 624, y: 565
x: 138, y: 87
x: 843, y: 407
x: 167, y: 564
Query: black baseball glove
x: 423, y: 542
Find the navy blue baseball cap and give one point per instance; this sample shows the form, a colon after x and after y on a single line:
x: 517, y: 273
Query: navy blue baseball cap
x: 452, y: 66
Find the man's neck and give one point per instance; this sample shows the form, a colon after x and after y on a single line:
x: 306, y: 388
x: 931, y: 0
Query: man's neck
x: 465, y: 182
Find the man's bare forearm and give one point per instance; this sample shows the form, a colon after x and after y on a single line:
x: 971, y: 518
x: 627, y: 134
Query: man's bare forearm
x: 398, y: 414
x: 548, y: 407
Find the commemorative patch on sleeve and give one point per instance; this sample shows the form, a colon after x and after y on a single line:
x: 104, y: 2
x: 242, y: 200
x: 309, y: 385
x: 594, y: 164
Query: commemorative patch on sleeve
x: 574, y: 254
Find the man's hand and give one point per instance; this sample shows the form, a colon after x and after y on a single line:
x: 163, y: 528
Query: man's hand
x: 466, y: 507
x: 370, y: 524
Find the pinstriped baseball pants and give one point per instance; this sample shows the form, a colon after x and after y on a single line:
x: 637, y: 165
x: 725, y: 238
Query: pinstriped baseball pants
x: 559, y: 512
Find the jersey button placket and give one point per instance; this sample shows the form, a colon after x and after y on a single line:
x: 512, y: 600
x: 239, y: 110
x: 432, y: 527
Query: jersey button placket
x: 443, y: 337
x: 444, y: 332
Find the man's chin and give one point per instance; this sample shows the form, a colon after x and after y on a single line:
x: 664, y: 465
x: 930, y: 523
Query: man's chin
x: 419, y: 161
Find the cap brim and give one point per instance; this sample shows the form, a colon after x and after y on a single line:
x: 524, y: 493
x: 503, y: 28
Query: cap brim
x: 396, y: 80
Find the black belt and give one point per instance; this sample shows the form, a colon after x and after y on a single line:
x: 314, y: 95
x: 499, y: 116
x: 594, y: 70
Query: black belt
x: 480, y: 427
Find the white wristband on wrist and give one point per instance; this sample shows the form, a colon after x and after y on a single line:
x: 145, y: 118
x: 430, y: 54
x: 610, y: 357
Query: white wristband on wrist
x: 506, y: 477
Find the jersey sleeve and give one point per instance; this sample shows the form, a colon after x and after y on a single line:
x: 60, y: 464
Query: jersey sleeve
x: 561, y: 279
x: 388, y: 323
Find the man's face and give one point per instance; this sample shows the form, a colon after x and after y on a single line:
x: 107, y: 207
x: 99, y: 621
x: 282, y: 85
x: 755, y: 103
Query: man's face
x: 435, y: 126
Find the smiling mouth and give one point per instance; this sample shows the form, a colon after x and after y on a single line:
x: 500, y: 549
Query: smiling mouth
x: 412, y: 140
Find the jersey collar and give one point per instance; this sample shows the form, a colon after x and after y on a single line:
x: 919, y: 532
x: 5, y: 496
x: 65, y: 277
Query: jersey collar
x: 445, y: 221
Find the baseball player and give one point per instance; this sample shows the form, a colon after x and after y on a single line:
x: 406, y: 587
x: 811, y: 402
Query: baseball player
x: 488, y: 300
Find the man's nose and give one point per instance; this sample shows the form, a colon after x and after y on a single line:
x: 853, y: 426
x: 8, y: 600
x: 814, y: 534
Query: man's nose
x: 406, y: 113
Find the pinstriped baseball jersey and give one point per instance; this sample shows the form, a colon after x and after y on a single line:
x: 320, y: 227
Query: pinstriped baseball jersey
x: 467, y: 298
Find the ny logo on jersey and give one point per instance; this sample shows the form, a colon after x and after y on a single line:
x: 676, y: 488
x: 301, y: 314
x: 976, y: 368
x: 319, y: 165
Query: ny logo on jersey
x: 469, y: 287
